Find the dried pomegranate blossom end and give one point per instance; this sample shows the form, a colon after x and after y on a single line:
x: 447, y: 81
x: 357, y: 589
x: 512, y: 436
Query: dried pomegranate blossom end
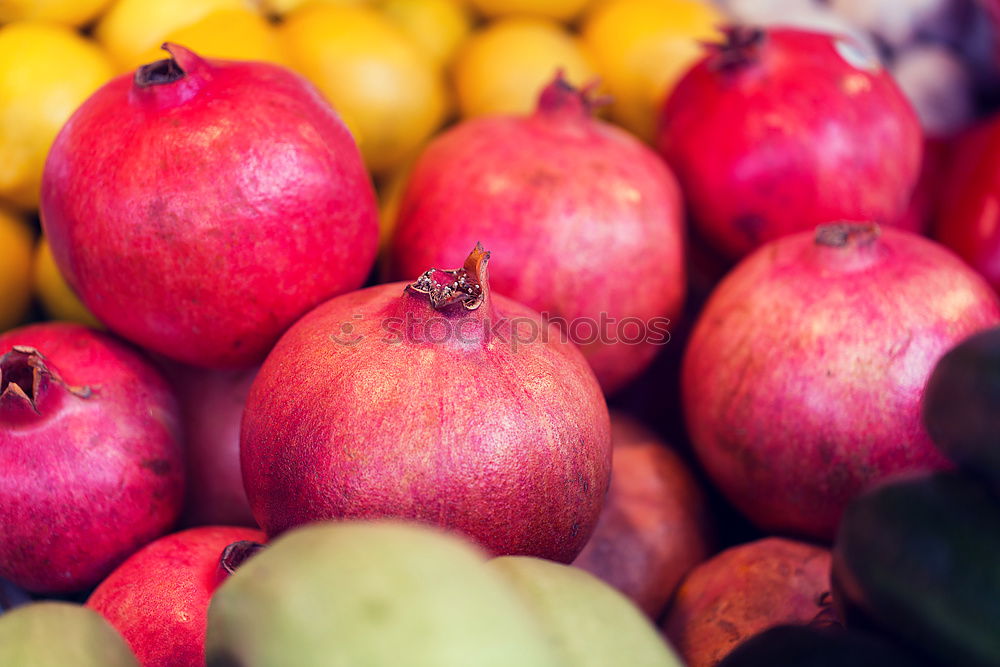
x: 237, y: 553
x: 158, y: 73
x: 448, y: 288
x: 24, y: 376
x: 561, y: 96
x: 740, y: 48
x: 843, y: 234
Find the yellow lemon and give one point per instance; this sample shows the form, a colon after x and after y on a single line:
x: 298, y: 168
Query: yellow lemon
x: 68, y: 12
x: 130, y: 28
x: 46, y: 72
x: 503, y: 68
x: 388, y: 91
x: 437, y: 26
x: 561, y: 10
x: 59, y: 301
x: 642, y: 47
x: 15, y: 269
x: 231, y: 34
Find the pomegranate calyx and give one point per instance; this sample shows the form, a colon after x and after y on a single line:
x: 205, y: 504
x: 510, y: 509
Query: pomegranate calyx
x: 560, y: 96
x: 842, y: 234
x: 169, y: 70
x: 24, y: 376
x: 740, y: 48
x: 237, y: 553
x: 447, y: 288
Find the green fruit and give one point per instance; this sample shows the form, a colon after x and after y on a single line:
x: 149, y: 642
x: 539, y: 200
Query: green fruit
x: 962, y: 404
x: 590, y: 623
x: 371, y: 594
x: 60, y: 634
x: 804, y: 646
x: 920, y: 557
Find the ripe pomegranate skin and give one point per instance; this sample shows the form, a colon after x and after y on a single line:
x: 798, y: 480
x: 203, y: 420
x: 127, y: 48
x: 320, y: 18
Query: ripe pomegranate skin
x: 585, y: 221
x: 968, y: 219
x: 743, y: 591
x: 655, y: 525
x: 480, y: 431
x: 201, y: 217
x: 97, y: 471
x: 212, y: 403
x: 158, y: 598
x: 777, y: 131
x: 803, y: 378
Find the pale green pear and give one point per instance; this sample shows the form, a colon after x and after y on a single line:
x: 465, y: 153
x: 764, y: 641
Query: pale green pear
x: 57, y: 634
x: 372, y: 594
x: 588, y: 622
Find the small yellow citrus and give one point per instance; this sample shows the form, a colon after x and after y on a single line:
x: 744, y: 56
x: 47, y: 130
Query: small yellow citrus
x: 57, y: 298
x: 642, y: 47
x: 230, y: 34
x: 130, y: 28
x: 46, y: 71
x: 560, y: 10
x: 15, y: 269
x: 388, y: 91
x: 503, y: 68
x: 437, y: 26
x: 282, y: 7
x: 68, y: 12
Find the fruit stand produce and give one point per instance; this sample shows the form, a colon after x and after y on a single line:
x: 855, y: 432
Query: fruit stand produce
x: 461, y: 333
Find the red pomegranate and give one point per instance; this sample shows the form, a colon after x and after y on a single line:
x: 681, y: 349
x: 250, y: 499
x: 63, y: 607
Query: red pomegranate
x: 774, y: 132
x: 655, y: 524
x: 435, y: 401
x: 90, y: 454
x: 200, y: 207
x: 745, y: 590
x: 158, y: 598
x: 803, y: 378
x: 968, y: 219
x: 584, y: 219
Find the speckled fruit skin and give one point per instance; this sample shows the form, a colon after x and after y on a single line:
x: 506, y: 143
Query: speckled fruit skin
x: 968, y: 216
x: 85, y: 481
x: 743, y: 591
x: 584, y: 220
x: 158, y: 598
x: 507, y: 442
x: 804, y: 375
x: 201, y: 218
x: 655, y: 525
x: 774, y: 137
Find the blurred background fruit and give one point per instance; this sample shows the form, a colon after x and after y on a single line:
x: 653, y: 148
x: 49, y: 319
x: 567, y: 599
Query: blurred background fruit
x: 236, y: 34
x: 51, y: 288
x: 437, y: 26
x: 282, y: 7
x: 46, y: 71
x: 130, y: 28
x: 15, y: 269
x: 390, y: 93
x: 48, y: 634
x: 560, y: 10
x: 642, y: 47
x: 504, y: 65
x: 69, y: 12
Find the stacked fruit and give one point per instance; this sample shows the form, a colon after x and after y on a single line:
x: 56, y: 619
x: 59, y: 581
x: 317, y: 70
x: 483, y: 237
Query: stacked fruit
x: 237, y: 441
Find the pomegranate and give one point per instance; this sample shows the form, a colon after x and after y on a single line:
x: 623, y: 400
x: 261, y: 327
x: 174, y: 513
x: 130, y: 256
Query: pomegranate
x: 200, y: 207
x: 803, y: 378
x: 584, y: 219
x: 654, y: 525
x: 968, y: 219
x: 776, y: 131
x: 212, y: 404
x: 434, y: 401
x: 158, y: 598
x: 90, y: 452
x: 745, y: 590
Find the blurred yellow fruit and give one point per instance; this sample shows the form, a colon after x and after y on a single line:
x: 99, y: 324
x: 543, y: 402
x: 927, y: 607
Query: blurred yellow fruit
x: 130, y: 28
x: 46, y: 72
x: 282, y: 7
x: 388, y: 91
x: 68, y: 12
x: 437, y: 26
x: 642, y: 47
x: 231, y: 34
x: 561, y: 10
x: 503, y: 68
x: 390, y: 196
x: 57, y: 298
x: 15, y: 269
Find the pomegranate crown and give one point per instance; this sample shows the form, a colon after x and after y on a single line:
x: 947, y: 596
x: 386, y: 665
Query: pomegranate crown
x: 24, y: 375
x: 740, y: 46
x: 447, y: 288
x: 561, y: 95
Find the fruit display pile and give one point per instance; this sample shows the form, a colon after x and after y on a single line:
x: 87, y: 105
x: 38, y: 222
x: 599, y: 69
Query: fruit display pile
x: 474, y: 333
